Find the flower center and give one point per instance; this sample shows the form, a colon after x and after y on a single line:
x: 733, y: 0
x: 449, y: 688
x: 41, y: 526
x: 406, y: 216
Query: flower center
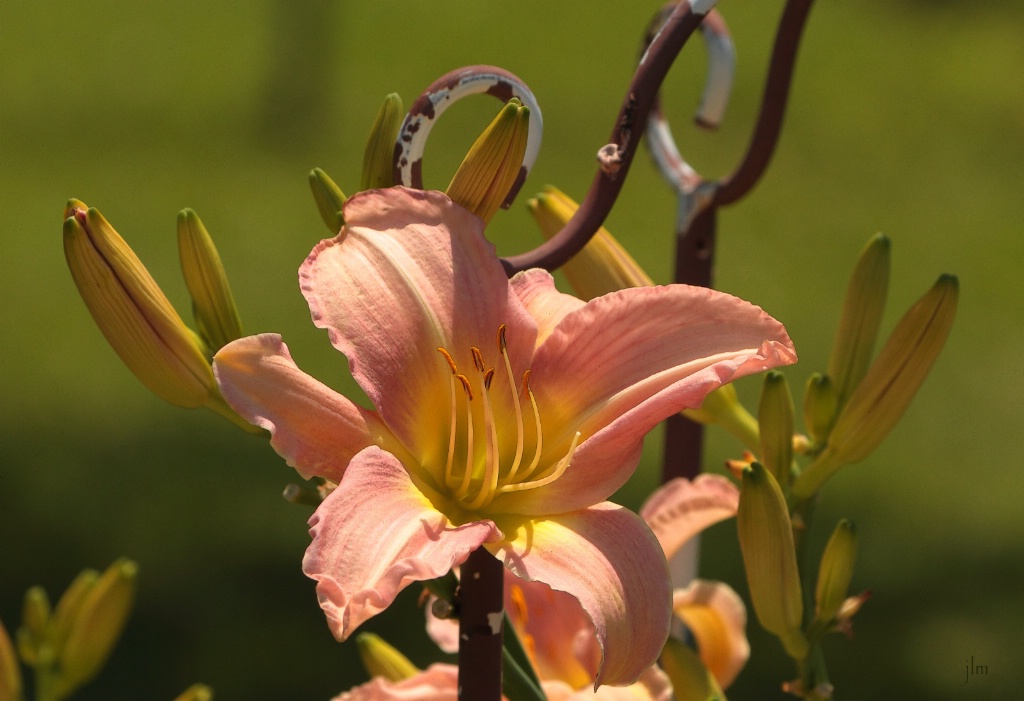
x: 483, y: 473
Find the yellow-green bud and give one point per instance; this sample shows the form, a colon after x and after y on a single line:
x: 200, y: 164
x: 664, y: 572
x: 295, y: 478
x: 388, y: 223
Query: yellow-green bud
x: 329, y: 200
x: 68, y: 606
x: 723, y: 408
x: 821, y: 403
x: 96, y: 627
x: 382, y: 660
x: 835, y: 571
x: 10, y: 674
x: 35, y: 619
x: 132, y: 312
x: 690, y: 678
x: 213, y: 305
x: 196, y: 692
x: 379, y: 157
x: 493, y: 163
x: 769, y: 557
x: 776, y: 418
x: 603, y: 265
x: 888, y: 387
x: 860, y: 318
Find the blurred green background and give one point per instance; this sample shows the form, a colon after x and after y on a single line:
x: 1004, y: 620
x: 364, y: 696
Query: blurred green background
x: 906, y: 117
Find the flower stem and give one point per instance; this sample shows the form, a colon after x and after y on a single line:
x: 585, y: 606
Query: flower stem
x: 481, y: 615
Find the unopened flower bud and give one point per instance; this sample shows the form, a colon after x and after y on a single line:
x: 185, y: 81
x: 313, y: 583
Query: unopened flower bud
x: 859, y: 321
x: 776, y: 419
x: 196, y: 692
x: 68, y: 606
x: 493, y: 163
x: 769, y: 557
x: 132, y: 312
x: 690, y: 678
x: 603, y: 265
x: 820, y: 406
x: 329, y: 200
x: 100, y: 618
x: 35, y: 618
x: 888, y: 387
x: 213, y: 305
x: 379, y: 157
x: 382, y: 660
x: 10, y: 673
x: 722, y: 407
x: 835, y: 571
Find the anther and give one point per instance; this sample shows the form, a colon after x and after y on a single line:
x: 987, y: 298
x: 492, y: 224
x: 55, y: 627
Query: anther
x: 478, y: 358
x: 465, y: 385
x: 502, y: 344
x: 449, y: 359
x: 488, y: 376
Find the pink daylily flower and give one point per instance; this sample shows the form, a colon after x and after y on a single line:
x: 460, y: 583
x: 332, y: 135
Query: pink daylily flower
x: 504, y: 415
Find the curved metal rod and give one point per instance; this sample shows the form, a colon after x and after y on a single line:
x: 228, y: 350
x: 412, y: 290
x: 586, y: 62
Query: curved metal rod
x: 773, y: 105
x: 617, y: 156
x: 442, y: 94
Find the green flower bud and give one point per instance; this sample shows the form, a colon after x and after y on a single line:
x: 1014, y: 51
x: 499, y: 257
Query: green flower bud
x: 97, y: 625
x: 133, y: 313
x: 603, y: 265
x: 10, y: 674
x: 888, y: 387
x: 769, y: 557
x: 493, y: 163
x: 35, y: 618
x: 835, y: 571
x: 382, y: 660
x: 690, y: 678
x: 213, y: 305
x: 68, y: 606
x: 776, y: 419
x: 860, y: 318
x: 329, y: 200
x: 196, y: 692
x: 722, y: 407
x: 821, y: 403
x: 379, y: 157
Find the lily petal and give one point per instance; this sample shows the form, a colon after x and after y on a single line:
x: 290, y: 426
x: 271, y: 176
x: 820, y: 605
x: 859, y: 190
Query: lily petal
x: 315, y: 429
x: 653, y: 685
x: 622, y: 363
x: 366, y: 550
x: 536, y: 290
x: 411, y: 272
x: 438, y: 682
x: 716, y: 616
x: 680, y: 509
x: 608, y: 559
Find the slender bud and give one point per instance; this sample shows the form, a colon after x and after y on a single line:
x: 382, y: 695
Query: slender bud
x: 196, y: 692
x: 860, y: 318
x: 835, y: 571
x: 769, y: 557
x: 888, y: 387
x: 68, y: 607
x: 776, y: 419
x: 97, y: 626
x: 690, y: 678
x: 821, y: 403
x: 35, y: 618
x: 603, y: 265
x: 132, y: 312
x: 722, y: 407
x: 493, y: 163
x: 382, y: 660
x: 379, y: 157
x: 213, y: 305
x: 329, y: 200
x: 10, y: 674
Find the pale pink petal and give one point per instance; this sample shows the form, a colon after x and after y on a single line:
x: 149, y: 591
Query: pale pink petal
x: 536, y: 290
x: 411, y: 272
x: 680, y: 509
x: 716, y: 616
x: 618, y: 366
x: 653, y: 685
x: 376, y: 534
x: 438, y: 682
x: 608, y: 559
x: 315, y: 429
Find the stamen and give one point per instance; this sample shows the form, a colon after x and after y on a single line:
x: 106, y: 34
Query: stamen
x: 488, y: 376
x: 465, y: 385
x: 448, y: 479
x: 478, y: 358
x: 492, y: 464
x: 503, y: 349
x: 448, y: 357
x: 463, y: 489
x: 559, y: 470
x: 536, y: 418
